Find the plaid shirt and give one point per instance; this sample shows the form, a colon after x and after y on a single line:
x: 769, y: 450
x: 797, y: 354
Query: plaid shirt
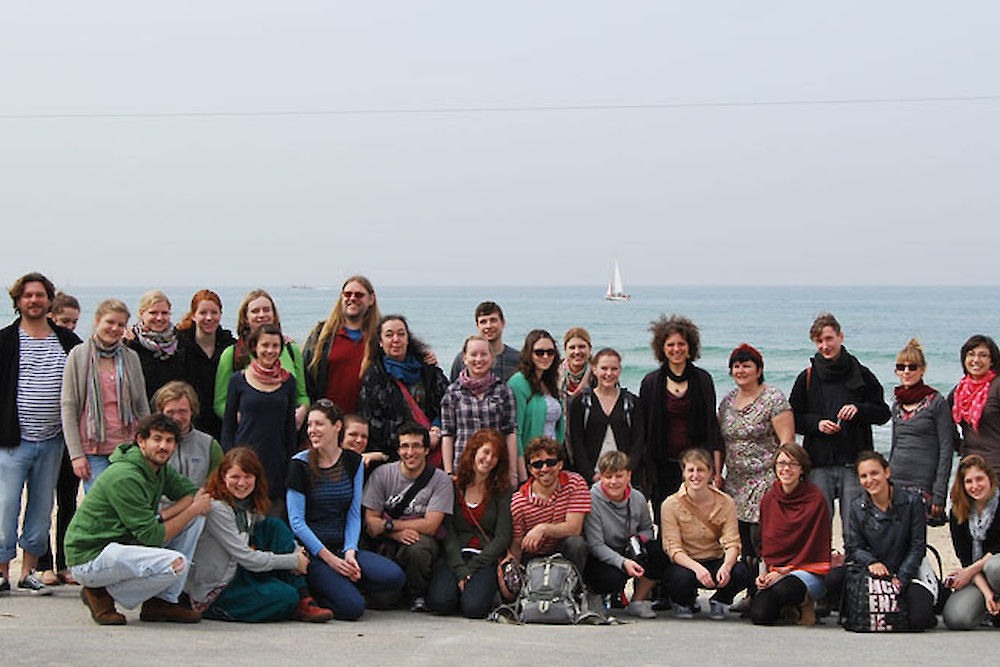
x: 462, y: 414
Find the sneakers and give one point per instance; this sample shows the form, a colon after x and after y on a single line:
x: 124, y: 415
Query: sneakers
x: 159, y: 610
x: 310, y: 612
x: 101, y: 606
x: 682, y: 610
x: 32, y: 584
x: 717, y: 610
x: 4, y: 586
x: 419, y: 605
x: 640, y: 609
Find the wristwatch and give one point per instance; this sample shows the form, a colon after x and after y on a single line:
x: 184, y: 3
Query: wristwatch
x: 388, y: 525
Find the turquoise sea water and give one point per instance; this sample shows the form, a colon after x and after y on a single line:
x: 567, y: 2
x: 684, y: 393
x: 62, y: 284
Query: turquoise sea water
x: 877, y: 321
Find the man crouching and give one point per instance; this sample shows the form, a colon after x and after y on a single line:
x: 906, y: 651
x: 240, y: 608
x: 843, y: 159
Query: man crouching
x: 120, y: 548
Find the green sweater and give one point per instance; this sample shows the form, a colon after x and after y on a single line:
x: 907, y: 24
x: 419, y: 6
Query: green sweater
x: 121, y: 506
x: 290, y: 361
x: 530, y: 413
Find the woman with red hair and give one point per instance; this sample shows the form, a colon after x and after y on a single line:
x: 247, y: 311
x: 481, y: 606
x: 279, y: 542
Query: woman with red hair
x: 246, y: 566
x: 478, y: 533
x: 203, y: 341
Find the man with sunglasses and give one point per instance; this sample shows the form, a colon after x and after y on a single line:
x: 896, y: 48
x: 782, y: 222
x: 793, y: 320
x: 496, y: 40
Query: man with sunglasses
x: 547, y: 512
x: 835, y: 402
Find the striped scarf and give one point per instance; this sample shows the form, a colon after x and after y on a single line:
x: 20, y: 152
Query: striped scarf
x: 96, y: 426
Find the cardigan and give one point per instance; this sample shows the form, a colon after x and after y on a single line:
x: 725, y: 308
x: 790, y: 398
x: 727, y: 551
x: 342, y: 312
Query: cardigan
x: 74, y: 393
x: 459, y: 531
x: 531, y: 411
x: 585, y: 439
x: 961, y: 538
x: 10, y: 363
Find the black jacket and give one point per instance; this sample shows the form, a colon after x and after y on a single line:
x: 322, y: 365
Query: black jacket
x: 809, y: 407
x: 199, y: 372
x: 158, y: 372
x: 896, y: 538
x: 961, y: 539
x: 584, y: 438
x: 381, y: 403
x: 10, y: 363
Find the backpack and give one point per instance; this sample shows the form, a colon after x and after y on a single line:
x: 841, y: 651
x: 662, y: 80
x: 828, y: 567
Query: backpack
x: 628, y: 406
x: 552, y: 593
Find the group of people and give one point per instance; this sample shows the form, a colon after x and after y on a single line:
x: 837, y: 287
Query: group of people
x: 241, y: 477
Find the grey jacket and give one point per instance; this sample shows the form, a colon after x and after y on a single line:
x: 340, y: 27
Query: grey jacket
x: 923, y: 446
x: 222, y: 547
x: 74, y: 393
x: 610, y: 524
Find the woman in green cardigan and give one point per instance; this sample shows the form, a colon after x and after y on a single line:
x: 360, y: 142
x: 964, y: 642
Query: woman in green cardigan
x: 256, y: 310
x: 478, y: 533
x: 536, y: 393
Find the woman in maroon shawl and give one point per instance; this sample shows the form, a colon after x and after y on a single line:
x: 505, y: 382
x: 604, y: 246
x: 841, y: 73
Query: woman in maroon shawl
x: 795, y: 541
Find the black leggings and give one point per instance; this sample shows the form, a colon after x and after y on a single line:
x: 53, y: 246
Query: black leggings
x: 750, y: 553
x: 765, y: 609
x: 919, y: 601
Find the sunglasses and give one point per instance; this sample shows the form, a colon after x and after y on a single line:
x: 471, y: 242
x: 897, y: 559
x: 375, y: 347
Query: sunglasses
x: 544, y: 352
x: 907, y: 367
x: 542, y: 463
x: 354, y: 295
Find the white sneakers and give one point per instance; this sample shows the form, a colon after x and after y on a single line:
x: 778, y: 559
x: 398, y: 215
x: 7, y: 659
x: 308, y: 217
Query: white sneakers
x: 640, y: 609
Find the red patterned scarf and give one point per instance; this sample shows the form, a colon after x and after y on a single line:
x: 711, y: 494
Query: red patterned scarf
x: 275, y: 375
x: 970, y: 397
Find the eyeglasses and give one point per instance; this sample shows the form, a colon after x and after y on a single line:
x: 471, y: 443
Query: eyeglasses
x: 907, y: 367
x: 354, y: 295
x: 787, y: 464
x: 972, y: 354
x: 542, y: 463
x: 544, y: 352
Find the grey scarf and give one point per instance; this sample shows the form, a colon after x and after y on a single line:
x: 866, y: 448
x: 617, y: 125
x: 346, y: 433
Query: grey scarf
x: 980, y: 522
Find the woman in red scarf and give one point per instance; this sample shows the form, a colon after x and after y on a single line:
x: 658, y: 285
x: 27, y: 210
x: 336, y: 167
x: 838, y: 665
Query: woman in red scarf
x: 795, y: 542
x: 260, y: 411
x: 975, y: 401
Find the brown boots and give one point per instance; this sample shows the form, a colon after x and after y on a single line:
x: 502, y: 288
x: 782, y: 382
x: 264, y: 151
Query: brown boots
x: 102, y: 606
x: 157, y: 609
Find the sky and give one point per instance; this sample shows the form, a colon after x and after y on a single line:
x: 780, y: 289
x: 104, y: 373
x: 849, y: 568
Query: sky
x: 513, y: 143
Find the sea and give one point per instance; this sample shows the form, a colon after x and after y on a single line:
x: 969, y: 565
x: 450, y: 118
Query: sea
x: 877, y: 321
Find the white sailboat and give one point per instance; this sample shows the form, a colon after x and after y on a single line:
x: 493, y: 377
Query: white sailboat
x: 616, y: 289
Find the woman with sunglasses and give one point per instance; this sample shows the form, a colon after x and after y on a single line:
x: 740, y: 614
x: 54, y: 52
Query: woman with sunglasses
x: 536, y: 394
x: 975, y: 401
x: 256, y: 310
x: 923, y: 434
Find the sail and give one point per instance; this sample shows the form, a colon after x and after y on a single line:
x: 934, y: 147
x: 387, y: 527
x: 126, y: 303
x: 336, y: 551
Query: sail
x: 617, y: 287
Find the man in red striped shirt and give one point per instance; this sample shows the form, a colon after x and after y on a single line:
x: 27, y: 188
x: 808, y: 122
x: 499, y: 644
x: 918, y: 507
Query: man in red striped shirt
x: 548, y: 511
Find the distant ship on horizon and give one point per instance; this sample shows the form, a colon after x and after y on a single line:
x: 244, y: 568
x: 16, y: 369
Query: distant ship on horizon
x: 616, y: 288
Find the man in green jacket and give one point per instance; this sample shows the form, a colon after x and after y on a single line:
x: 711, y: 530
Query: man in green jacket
x: 120, y: 548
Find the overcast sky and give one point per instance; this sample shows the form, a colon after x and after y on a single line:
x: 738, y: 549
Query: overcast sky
x: 233, y: 143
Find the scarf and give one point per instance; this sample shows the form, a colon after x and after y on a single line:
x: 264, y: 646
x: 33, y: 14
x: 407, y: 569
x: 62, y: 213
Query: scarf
x: 94, y: 401
x: 408, y: 370
x: 980, y: 522
x: 658, y: 411
x: 844, y: 369
x: 241, y: 511
x: 970, y: 399
x: 162, y: 344
x: 476, y: 386
x: 795, y: 529
x: 571, y: 383
x: 275, y: 375
x: 913, y: 394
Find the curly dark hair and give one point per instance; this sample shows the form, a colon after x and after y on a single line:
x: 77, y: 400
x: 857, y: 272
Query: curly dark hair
x: 549, y: 382
x: 664, y: 327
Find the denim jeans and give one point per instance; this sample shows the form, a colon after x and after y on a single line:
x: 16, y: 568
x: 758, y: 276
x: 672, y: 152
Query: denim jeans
x: 838, y: 482
x: 133, y: 574
x: 37, y: 464
x: 98, y: 464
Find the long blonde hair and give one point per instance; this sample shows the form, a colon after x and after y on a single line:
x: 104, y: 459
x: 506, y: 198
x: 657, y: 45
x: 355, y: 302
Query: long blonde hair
x: 369, y: 326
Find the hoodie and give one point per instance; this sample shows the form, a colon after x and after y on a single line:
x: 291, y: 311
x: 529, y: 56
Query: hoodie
x: 121, y: 506
x: 611, y: 523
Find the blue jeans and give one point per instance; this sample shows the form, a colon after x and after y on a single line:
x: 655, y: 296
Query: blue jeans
x: 838, y: 481
x: 341, y: 596
x: 37, y: 464
x: 133, y: 574
x: 98, y: 464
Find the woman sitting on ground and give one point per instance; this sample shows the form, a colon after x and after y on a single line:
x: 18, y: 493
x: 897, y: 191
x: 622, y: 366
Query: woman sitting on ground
x: 324, y: 510
x: 603, y: 419
x: 478, y: 533
x: 888, y: 534
x: 795, y: 542
x: 975, y: 535
x: 247, y: 566
x: 701, y: 538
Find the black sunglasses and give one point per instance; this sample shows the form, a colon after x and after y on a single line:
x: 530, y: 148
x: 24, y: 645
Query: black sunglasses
x: 907, y: 367
x: 544, y: 352
x: 541, y: 463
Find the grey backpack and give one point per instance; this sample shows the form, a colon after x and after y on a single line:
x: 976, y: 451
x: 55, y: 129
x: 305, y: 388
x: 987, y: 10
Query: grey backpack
x: 552, y: 593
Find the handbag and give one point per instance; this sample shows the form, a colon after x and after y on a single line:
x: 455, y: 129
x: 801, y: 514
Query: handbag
x: 872, y: 604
